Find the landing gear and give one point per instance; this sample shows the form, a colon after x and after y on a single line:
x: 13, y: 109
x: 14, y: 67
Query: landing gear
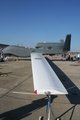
x: 49, y: 108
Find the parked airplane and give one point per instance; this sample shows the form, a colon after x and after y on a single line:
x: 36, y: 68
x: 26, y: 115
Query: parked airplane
x: 50, y: 48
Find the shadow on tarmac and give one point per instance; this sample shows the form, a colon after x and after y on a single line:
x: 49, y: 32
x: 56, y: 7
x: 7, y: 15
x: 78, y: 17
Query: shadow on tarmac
x: 24, y: 111
x: 73, y: 91
x: 72, y: 108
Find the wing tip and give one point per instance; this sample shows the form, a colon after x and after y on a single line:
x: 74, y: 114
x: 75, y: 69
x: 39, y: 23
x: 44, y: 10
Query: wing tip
x: 35, y: 91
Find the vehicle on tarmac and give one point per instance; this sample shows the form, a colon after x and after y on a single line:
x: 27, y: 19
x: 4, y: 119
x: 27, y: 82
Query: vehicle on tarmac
x: 1, y: 55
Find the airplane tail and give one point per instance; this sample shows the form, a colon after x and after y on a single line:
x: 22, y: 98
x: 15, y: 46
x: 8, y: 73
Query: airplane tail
x: 67, y: 43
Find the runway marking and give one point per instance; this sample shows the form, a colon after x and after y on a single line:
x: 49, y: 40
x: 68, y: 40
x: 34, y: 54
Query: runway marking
x: 71, y: 87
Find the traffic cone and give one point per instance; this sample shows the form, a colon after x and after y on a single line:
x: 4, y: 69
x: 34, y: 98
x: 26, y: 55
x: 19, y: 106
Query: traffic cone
x: 61, y: 58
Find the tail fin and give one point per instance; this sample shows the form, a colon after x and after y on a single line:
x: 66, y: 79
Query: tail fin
x: 67, y: 43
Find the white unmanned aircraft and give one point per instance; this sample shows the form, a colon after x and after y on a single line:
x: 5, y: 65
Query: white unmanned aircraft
x: 45, y: 80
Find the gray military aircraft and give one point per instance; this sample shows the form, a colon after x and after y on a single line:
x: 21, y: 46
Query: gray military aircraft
x: 49, y: 48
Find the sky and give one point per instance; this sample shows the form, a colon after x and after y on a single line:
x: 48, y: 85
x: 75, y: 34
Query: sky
x: 27, y: 22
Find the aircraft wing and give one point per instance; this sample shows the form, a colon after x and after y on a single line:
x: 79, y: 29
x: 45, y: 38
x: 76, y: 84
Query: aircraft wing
x: 44, y: 78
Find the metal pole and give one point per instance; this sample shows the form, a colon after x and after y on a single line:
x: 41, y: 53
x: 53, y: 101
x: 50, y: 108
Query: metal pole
x: 49, y: 97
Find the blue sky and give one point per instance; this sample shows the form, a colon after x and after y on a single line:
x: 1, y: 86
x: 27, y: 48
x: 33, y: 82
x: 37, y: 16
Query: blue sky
x: 26, y: 22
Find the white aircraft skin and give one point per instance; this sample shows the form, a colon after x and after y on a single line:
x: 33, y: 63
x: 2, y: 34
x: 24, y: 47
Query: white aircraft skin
x: 44, y: 78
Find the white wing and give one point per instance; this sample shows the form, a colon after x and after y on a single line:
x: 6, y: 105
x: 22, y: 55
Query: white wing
x: 44, y: 78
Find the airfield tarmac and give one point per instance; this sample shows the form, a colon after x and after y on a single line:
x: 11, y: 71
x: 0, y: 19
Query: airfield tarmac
x: 17, y: 76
